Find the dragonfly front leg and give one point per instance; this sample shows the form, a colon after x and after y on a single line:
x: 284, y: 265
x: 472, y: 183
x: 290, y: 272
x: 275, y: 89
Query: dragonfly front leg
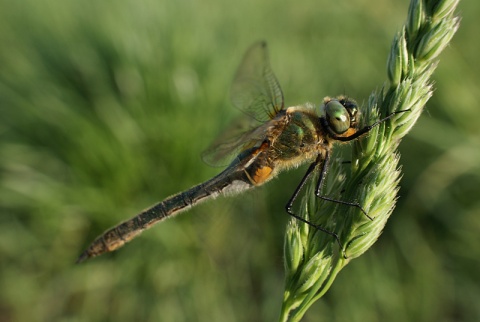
x: 318, y: 191
x: 319, y: 161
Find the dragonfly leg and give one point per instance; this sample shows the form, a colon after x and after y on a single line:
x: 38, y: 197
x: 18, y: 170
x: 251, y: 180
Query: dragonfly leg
x: 307, y: 175
x: 318, y: 191
x: 289, y: 205
x: 367, y: 128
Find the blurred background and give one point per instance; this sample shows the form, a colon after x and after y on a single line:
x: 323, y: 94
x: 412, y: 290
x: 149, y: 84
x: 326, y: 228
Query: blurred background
x: 106, y: 107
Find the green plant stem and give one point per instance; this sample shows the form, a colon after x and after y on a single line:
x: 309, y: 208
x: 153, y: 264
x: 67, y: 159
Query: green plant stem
x: 312, y: 258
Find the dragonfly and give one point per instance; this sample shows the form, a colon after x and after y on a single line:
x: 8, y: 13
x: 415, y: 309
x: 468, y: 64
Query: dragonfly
x: 279, y: 138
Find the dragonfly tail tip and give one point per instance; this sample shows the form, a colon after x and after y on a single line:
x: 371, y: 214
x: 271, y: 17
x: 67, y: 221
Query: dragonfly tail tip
x: 83, y: 257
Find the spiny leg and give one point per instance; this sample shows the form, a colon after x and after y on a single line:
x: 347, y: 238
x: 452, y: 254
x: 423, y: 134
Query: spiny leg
x: 318, y: 190
x: 367, y: 128
x: 289, y: 205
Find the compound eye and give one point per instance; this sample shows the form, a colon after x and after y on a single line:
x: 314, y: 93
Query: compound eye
x: 337, y: 117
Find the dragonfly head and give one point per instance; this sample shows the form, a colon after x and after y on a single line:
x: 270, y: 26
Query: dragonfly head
x: 340, y: 115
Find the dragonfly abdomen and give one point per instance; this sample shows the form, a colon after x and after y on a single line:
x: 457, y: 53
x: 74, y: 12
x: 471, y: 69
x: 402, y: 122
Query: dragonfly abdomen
x: 117, y: 236
x: 227, y: 183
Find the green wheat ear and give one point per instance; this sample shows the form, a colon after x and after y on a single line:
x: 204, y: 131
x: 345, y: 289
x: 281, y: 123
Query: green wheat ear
x: 312, y: 258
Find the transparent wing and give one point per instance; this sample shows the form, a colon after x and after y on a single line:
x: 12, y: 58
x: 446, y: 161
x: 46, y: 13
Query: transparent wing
x: 242, y: 134
x: 256, y: 92
x: 255, y: 89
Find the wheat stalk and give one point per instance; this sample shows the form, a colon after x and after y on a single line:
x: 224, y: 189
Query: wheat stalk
x: 312, y: 258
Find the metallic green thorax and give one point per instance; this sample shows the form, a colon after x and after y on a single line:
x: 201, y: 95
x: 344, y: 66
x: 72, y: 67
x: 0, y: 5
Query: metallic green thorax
x: 299, y: 133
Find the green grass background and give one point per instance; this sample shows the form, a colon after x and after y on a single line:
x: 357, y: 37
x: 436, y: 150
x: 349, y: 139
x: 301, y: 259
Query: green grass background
x: 106, y: 106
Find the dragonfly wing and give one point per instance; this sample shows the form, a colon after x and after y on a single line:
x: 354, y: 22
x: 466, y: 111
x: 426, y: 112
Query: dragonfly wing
x: 256, y: 92
x: 240, y: 135
x: 255, y: 89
